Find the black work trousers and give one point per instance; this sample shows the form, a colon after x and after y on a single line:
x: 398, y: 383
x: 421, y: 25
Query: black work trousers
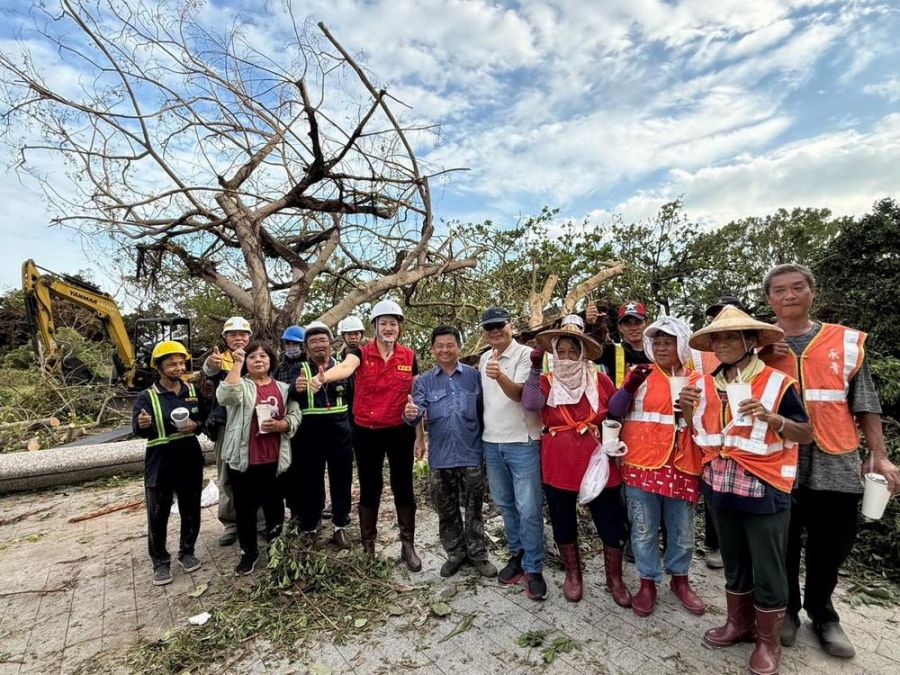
x: 159, y: 506
x: 254, y: 488
x: 753, y: 547
x: 314, y: 452
x: 829, y: 520
x: 454, y: 489
x: 710, y: 536
x: 371, y: 446
x: 607, y: 511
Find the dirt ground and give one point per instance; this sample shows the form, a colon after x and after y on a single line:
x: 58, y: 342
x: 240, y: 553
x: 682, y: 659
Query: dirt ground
x: 75, y: 596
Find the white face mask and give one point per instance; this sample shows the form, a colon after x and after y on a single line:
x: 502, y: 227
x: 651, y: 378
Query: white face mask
x: 293, y: 352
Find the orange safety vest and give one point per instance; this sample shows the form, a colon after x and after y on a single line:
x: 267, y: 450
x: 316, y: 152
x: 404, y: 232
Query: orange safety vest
x: 650, y: 431
x: 825, y: 369
x: 703, y: 362
x: 755, y: 447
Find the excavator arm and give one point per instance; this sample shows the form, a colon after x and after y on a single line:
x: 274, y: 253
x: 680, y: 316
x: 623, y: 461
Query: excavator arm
x: 41, y: 289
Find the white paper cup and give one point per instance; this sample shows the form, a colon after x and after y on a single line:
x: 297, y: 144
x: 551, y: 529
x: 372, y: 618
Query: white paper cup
x: 263, y: 413
x: 610, y: 431
x: 676, y: 384
x: 876, y: 496
x: 180, y: 417
x: 737, y: 392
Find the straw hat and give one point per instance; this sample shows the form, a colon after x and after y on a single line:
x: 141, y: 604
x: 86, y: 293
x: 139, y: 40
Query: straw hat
x: 731, y: 318
x: 592, y: 348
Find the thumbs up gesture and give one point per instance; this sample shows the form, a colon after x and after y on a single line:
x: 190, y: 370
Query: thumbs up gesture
x: 215, y: 359
x: 492, y: 369
x: 144, y: 419
x: 301, y: 383
x: 411, y: 411
x: 318, y: 380
x: 238, y: 355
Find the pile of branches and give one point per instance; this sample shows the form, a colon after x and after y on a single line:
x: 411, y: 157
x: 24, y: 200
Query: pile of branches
x: 39, y: 410
x: 307, y: 594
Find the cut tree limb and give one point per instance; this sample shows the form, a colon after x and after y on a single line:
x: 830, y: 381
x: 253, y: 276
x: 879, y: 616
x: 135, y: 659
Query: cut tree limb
x: 589, y: 285
x: 112, y: 508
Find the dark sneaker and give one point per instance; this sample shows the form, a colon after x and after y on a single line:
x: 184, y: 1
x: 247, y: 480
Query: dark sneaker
x: 227, y: 538
x: 246, y: 565
x: 485, y: 568
x: 789, y: 629
x: 451, y: 567
x: 341, y: 539
x: 512, y: 573
x: 714, y: 559
x: 189, y: 562
x: 834, y: 640
x: 535, y: 586
x: 162, y: 575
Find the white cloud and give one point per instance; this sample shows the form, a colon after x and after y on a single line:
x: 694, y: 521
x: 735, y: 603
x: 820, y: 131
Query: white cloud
x: 844, y: 171
x: 888, y: 89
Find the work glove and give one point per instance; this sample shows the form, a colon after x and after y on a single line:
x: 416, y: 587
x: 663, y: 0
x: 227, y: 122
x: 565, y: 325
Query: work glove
x: 537, y: 357
x: 636, y: 378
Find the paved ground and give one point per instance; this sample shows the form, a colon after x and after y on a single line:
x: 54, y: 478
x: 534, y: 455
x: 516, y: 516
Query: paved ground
x: 70, y: 593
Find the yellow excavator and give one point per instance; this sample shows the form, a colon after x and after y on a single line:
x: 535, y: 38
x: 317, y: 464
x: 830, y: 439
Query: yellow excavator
x: 132, y: 355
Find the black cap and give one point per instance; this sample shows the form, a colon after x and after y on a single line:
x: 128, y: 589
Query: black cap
x: 495, y: 315
x: 719, y: 304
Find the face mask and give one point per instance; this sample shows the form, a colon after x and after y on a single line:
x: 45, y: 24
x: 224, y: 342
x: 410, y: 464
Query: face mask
x: 292, y: 352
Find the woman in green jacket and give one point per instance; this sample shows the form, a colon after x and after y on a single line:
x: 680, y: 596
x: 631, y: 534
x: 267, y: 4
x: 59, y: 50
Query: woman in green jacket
x: 256, y: 447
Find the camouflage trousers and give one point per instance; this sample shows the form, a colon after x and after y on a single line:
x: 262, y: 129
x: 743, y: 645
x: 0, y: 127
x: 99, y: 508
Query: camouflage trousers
x: 452, y: 491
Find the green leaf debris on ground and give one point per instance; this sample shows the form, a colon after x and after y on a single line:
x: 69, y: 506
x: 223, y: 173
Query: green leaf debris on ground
x: 308, y: 594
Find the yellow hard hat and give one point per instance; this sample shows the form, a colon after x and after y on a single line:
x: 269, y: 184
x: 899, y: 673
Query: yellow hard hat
x: 167, y: 348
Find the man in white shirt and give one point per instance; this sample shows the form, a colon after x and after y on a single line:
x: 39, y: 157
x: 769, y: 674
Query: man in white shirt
x: 511, y: 441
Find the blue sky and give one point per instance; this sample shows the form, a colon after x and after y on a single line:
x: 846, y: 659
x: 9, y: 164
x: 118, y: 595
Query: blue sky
x: 597, y: 108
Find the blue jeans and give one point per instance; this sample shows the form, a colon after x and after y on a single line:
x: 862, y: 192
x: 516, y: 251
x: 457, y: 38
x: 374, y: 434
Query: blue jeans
x: 646, y: 511
x: 514, y: 476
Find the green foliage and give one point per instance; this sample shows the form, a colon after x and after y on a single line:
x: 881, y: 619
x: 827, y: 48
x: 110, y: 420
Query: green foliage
x: 886, y: 373
x: 733, y: 259
x: 309, y: 593
x: 858, y: 275
x: 658, y: 255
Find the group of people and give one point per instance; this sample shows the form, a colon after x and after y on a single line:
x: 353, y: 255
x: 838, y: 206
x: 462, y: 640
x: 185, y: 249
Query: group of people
x: 778, y: 466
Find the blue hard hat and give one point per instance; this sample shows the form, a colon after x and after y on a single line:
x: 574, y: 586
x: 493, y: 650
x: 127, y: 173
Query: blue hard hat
x: 294, y: 334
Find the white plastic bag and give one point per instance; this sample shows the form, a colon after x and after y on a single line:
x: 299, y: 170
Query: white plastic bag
x: 208, y: 497
x: 597, y: 473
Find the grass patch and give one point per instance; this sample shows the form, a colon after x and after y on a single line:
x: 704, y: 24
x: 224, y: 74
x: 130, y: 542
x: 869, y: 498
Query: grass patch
x: 307, y: 594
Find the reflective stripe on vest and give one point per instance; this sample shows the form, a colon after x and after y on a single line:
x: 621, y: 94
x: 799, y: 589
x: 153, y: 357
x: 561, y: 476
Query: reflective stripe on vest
x: 339, y: 407
x: 620, y: 363
x: 650, y: 431
x: 756, y: 448
x: 161, y: 437
x: 702, y: 436
x: 824, y: 369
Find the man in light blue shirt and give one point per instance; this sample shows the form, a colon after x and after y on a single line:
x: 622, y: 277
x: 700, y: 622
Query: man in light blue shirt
x: 449, y: 396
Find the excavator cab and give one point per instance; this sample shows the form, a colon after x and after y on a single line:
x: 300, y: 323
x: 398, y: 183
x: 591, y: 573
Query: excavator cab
x: 147, y: 333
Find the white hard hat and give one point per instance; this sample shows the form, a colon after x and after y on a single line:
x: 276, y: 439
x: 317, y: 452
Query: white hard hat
x: 386, y: 308
x: 318, y: 327
x: 237, y: 323
x: 350, y: 324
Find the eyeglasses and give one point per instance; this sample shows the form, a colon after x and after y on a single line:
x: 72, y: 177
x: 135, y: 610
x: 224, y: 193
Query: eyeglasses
x: 497, y: 325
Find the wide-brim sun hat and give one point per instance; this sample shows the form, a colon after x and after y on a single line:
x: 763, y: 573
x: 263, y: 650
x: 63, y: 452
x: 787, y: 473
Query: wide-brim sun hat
x: 592, y: 348
x: 731, y: 318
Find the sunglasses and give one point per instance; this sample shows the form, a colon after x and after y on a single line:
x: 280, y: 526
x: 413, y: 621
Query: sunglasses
x: 497, y: 325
